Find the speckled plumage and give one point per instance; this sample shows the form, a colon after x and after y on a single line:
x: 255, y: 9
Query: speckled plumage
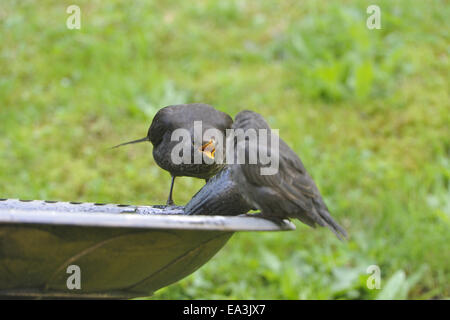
x: 290, y: 193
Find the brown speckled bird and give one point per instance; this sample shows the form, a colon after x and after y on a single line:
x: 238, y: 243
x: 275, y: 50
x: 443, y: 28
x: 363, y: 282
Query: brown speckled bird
x: 290, y: 193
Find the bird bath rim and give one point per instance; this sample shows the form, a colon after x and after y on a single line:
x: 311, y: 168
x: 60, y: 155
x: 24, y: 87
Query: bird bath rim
x: 150, y: 221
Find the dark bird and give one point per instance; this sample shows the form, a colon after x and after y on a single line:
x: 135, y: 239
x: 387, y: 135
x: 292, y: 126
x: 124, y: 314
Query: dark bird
x: 219, y: 196
x: 183, y: 116
x: 290, y: 192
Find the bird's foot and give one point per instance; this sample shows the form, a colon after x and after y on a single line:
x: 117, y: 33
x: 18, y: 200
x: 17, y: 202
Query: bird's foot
x: 170, y: 203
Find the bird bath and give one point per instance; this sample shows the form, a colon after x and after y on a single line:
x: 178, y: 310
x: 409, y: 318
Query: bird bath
x: 122, y: 251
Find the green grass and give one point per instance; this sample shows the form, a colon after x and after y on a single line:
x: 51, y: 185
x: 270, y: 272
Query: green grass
x: 366, y: 110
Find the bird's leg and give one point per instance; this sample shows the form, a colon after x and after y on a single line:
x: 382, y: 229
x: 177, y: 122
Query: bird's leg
x: 206, y: 180
x: 170, y: 200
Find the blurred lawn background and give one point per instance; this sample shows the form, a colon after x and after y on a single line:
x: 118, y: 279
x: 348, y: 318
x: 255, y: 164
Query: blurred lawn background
x: 366, y: 110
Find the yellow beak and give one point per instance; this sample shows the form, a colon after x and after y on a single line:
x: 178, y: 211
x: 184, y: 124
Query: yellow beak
x: 208, y: 149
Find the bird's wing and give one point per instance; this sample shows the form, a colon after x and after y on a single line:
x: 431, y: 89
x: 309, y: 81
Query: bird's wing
x: 292, y: 188
x: 289, y: 184
x: 291, y: 191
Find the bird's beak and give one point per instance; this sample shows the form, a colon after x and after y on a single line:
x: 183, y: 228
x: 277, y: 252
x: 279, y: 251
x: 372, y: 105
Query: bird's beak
x: 208, y: 148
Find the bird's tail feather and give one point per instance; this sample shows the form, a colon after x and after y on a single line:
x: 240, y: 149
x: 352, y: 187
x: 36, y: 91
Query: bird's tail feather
x: 332, y: 225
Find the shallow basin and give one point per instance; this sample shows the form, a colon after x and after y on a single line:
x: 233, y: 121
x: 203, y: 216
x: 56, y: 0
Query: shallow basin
x: 121, y: 251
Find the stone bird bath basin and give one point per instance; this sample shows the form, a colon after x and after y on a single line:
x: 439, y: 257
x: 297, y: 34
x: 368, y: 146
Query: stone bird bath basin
x: 122, y: 251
